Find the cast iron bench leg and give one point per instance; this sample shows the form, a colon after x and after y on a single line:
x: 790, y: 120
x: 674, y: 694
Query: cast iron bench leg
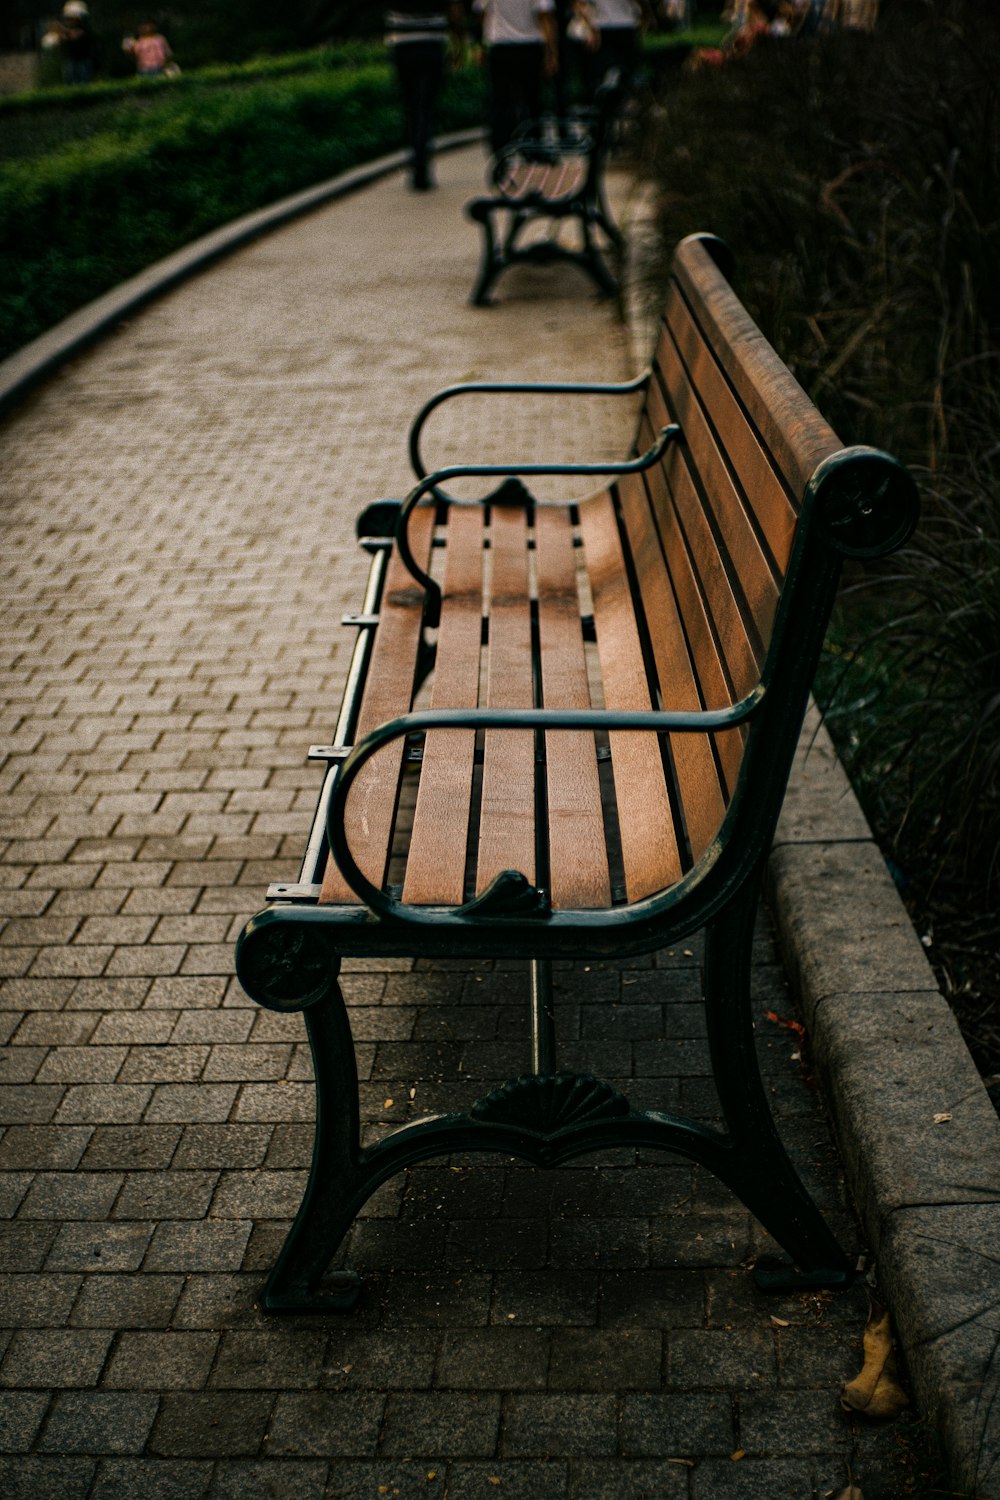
x: 759, y: 1169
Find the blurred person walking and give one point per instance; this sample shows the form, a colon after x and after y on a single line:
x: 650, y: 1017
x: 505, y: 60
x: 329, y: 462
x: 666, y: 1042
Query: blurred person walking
x: 150, y: 51
x: 418, y: 37
x: 522, y: 51
x: 77, y: 43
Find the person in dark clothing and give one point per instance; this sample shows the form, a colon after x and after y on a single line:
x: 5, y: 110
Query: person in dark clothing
x: 522, y: 51
x: 77, y: 43
x: 418, y: 36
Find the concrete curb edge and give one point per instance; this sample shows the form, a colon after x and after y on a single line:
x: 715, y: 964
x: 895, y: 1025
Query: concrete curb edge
x: 916, y: 1128
x: 43, y: 355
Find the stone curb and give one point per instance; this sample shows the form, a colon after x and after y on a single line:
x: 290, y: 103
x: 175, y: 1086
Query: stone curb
x: 918, y: 1134
x: 44, y: 354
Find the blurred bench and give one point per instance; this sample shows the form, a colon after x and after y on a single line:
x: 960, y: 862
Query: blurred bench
x: 614, y: 692
x: 553, y: 173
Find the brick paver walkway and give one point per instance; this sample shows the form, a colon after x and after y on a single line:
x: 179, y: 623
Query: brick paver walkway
x: 178, y: 536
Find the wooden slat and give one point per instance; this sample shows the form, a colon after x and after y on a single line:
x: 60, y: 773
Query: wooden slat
x: 739, y: 649
x: 507, y: 815
x: 578, y: 858
x: 709, y: 664
x: 648, y: 841
x: 435, y: 867
x: 738, y: 537
x: 776, y: 514
x: 792, y: 428
x: 388, y: 691
x: 697, y: 776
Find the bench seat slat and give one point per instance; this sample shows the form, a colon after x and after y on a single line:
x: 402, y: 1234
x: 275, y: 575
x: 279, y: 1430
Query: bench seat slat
x: 578, y: 859
x: 371, y: 807
x: 435, y: 869
x: 650, y: 854
x: 507, y: 816
x: 701, y: 796
x: 773, y: 508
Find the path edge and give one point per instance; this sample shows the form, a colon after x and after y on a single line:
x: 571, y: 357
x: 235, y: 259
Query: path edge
x: 917, y: 1131
x: 21, y: 371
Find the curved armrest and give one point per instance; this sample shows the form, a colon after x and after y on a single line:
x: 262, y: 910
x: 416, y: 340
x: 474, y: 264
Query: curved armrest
x: 508, y: 388
x: 507, y: 495
x: 657, y: 721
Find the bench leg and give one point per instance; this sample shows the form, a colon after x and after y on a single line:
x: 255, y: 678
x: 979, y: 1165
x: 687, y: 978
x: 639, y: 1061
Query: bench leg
x: 758, y: 1167
x: 492, y: 261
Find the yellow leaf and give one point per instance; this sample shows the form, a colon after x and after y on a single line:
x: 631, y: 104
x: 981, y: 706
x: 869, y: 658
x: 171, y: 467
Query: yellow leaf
x: 740, y: 1453
x: 876, y: 1392
x: 387, y: 1104
x: 494, y: 1479
x: 780, y: 1322
x: 942, y: 1119
x: 432, y: 1473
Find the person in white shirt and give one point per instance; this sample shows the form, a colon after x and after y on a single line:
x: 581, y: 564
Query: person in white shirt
x: 521, y: 47
x: 610, y: 31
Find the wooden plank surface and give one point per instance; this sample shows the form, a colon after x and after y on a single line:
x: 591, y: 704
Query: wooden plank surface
x: 371, y: 807
x: 739, y: 543
x: 650, y: 855
x: 578, y: 858
x: 697, y: 777
x: 435, y: 867
x: 507, y: 813
x: 769, y: 499
x: 796, y: 434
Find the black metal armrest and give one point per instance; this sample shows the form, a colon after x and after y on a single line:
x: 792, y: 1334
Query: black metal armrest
x: 506, y: 494
x: 656, y: 721
x: 515, y: 388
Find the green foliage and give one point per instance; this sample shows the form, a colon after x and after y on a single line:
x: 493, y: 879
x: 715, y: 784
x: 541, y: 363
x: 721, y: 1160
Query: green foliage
x: 857, y: 180
x: 77, y: 220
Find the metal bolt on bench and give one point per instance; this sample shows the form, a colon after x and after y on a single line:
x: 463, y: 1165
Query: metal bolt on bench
x: 647, y: 655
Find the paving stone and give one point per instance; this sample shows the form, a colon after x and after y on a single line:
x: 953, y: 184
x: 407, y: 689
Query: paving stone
x: 606, y: 1479
x: 99, y: 1422
x: 494, y: 1359
x: 586, y: 1359
x: 544, y: 1480
x: 161, y: 1361
x: 207, y: 1246
x: 69, y: 1195
x: 128, y: 1147
x: 278, y: 1359
x: 36, y: 1301
x: 270, y: 1480
x: 44, y: 1477
x: 153, y: 1479
x: 709, y: 1359
x: 104, y: 1103
x: 21, y: 1416
x: 127, y: 1301
x: 398, y: 1360
x: 752, y: 1479
x: 48, y: 1358
x: 24, y: 1104
x: 160, y: 1195
x: 218, y: 1300
x: 99, y: 1247
x: 43, y: 1146
x: 326, y: 1424
x: 557, y: 1426
x: 187, y: 1103
x: 677, y: 1425
x: 210, y: 1425
x: 429, y: 1424
x: 25, y: 1245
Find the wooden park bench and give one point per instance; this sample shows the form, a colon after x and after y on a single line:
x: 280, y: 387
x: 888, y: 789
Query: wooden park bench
x: 552, y: 173
x: 615, y: 691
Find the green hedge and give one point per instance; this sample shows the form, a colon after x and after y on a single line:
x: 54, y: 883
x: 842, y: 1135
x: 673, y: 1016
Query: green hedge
x: 79, y: 220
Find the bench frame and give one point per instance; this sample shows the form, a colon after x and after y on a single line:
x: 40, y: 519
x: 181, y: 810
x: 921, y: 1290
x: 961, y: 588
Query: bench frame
x: 503, y: 215
x: 859, y: 503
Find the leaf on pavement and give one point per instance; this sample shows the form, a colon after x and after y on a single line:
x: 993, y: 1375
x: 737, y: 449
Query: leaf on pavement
x: 876, y: 1392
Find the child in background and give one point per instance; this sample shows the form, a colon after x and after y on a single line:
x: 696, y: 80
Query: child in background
x: 150, y: 51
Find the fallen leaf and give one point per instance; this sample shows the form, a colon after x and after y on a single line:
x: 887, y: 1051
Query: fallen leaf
x: 876, y: 1392
x: 494, y: 1479
x: 387, y: 1104
x: 852, y: 1492
x: 432, y: 1473
x: 687, y: 1462
x: 941, y: 1119
x: 780, y: 1322
x: 739, y: 1453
